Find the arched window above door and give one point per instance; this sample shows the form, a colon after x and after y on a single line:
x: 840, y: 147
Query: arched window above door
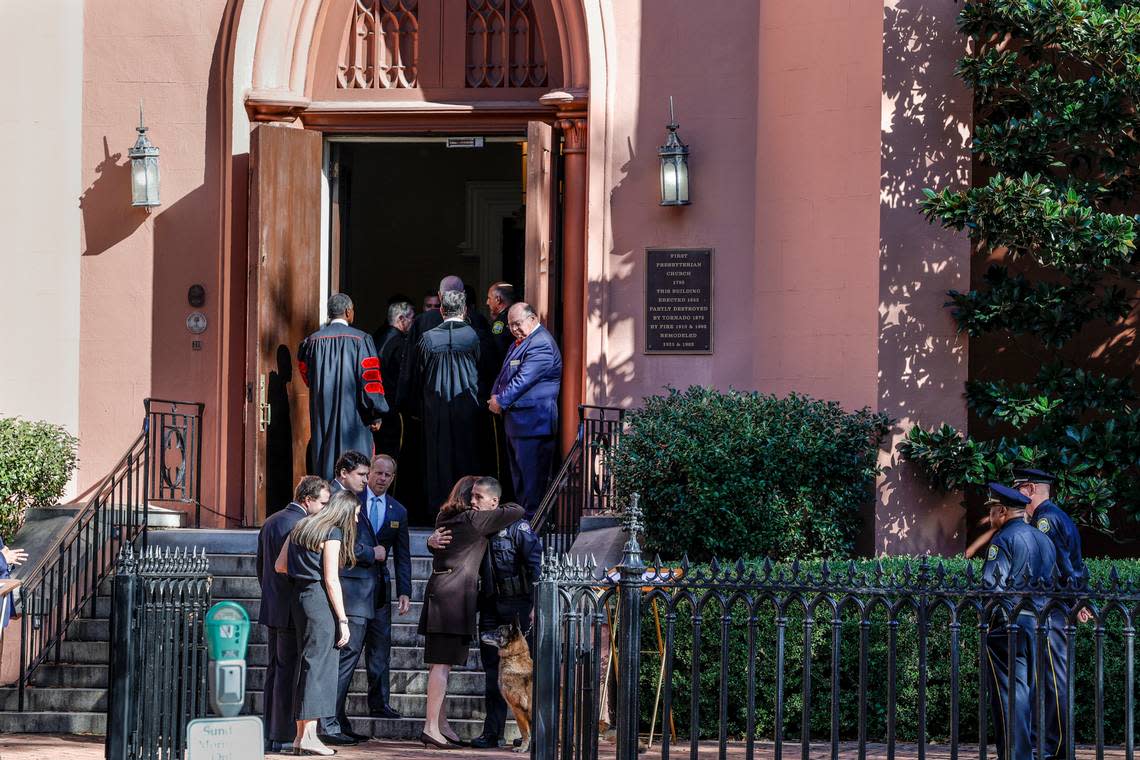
x: 505, y: 46
x: 386, y: 46
x: 381, y: 46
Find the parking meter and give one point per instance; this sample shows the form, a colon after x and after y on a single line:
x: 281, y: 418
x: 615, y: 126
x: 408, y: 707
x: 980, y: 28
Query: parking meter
x: 227, y: 633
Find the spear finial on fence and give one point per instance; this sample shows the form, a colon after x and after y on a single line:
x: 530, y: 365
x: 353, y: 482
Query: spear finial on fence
x: 632, y: 524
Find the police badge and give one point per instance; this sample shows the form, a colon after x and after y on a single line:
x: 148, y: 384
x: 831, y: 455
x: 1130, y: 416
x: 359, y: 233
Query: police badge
x: 497, y: 328
x: 1043, y: 525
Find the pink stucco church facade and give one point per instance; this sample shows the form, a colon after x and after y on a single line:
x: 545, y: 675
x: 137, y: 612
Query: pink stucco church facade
x: 371, y: 146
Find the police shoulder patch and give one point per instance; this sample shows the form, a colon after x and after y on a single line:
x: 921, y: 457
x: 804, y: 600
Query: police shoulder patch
x: 497, y: 328
x: 524, y: 526
x: 992, y: 553
x: 1043, y: 525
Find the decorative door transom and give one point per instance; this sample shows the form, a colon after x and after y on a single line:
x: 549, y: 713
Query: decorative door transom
x: 391, y: 45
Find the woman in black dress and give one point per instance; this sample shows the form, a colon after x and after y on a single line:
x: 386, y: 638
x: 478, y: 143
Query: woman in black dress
x: 448, y: 617
x: 318, y: 547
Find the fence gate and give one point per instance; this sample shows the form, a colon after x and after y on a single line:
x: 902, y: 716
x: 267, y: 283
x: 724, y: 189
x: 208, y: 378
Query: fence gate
x: 158, y: 652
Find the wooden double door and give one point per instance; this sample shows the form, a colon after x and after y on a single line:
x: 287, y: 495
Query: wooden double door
x: 288, y: 247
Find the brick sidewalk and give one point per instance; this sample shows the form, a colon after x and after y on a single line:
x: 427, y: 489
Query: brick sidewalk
x: 47, y: 747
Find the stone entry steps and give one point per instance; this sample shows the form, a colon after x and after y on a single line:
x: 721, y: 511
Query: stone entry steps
x: 71, y: 698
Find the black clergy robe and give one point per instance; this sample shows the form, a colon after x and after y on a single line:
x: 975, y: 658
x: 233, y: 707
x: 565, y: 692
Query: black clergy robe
x: 346, y: 394
x: 409, y: 394
x: 392, y: 346
x: 446, y: 372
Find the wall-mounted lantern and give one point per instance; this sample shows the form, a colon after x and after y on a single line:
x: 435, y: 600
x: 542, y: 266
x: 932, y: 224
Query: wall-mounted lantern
x: 144, y: 169
x: 674, y: 166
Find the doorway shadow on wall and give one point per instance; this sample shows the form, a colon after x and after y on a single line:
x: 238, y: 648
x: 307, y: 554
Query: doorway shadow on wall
x: 279, y: 433
x: 108, y: 216
x: 611, y: 375
x: 922, y: 362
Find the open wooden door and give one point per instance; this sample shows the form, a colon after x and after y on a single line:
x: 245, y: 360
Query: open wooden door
x: 284, y: 295
x: 540, y: 194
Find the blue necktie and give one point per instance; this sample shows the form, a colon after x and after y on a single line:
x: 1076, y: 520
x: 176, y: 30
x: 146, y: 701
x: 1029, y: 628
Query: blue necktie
x: 374, y: 514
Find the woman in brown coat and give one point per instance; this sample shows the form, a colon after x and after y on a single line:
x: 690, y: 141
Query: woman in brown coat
x: 448, y: 617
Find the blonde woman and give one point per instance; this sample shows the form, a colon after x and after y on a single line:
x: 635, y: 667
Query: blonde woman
x: 318, y: 547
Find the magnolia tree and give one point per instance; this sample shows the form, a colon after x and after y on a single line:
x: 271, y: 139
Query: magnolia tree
x: 1056, y: 86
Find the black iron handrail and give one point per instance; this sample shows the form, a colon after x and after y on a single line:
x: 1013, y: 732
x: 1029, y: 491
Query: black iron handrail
x: 68, y: 575
x: 583, y: 484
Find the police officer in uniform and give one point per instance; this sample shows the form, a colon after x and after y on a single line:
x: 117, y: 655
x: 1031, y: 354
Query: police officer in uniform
x: 1072, y: 573
x: 506, y: 582
x: 1019, y: 557
x: 500, y: 298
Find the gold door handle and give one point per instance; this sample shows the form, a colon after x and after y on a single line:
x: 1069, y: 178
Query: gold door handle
x: 264, y: 410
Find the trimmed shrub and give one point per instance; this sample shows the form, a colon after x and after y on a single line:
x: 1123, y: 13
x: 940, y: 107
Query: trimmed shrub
x: 748, y: 475
x: 735, y: 676
x: 36, y: 461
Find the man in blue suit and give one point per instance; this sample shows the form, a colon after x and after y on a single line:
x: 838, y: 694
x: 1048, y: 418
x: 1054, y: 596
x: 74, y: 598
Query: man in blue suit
x: 526, y: 394
x: 310, y: 497
x: 358, y: 588
x: 388, y: 520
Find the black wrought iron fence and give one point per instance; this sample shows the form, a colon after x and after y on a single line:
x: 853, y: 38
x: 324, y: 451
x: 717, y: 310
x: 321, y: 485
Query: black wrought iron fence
x: 583, y: 484
x: 161, y: 464
x: 158, y: 652
x: 825, y: 662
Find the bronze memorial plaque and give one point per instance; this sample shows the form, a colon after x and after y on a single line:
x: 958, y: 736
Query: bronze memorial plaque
x: 678, y: 301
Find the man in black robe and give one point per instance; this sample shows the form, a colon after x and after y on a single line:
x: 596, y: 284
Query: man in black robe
x: 409, y: 395
x: 346, y: 393
x: 392, y: 345
x: 446, y: 369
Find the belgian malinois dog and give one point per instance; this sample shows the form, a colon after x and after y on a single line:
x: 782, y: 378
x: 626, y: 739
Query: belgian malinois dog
x: 516, y: 674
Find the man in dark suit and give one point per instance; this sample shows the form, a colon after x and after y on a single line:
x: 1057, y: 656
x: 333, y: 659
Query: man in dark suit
x: 526, y: 394
x: 389, y: 522
x: 310, y: 497
x: 358, y: 588
x: 350, y: 473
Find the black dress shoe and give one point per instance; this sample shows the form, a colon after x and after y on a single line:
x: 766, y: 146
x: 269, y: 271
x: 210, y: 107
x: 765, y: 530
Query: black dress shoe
x: 337, y: 740
x: 485, y: 742
x: 385, y: 712
x: 358, y: 737
x: 430, y: 741
x: 278, y: 747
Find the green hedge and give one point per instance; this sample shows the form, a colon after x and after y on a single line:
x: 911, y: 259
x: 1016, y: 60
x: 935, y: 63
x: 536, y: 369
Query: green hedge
x: 938, y: 671
x: 36, y: 461
x: 748, y: 475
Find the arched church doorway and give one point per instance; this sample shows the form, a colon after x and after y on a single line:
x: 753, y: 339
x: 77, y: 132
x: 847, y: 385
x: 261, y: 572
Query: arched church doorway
x: 435, y: 138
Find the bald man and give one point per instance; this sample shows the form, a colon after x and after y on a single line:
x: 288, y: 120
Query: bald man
x: 526, y: 394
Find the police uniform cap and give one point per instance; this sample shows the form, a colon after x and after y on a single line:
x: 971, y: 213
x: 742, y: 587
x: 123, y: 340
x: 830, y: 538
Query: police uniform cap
x: 1006, y: 496
x: 1025, y: 475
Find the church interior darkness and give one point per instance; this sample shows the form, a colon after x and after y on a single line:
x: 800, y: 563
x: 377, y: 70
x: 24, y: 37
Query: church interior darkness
x: 412, y: 210
x: 416, y: 211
